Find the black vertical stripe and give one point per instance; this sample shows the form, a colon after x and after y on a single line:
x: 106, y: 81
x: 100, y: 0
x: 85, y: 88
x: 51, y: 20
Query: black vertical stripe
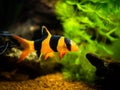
x: 68, y: 43
x: 38, y: 45
x: 54, y: 42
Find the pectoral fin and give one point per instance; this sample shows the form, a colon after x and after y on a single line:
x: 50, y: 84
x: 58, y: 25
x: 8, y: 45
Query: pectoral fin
x: 62, y: 54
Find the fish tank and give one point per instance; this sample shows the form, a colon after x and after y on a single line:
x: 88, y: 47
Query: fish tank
x: 60, y: 44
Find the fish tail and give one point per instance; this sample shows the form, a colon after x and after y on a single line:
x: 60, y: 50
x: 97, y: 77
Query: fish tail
x: 27, y: 45
x: 23, y: 55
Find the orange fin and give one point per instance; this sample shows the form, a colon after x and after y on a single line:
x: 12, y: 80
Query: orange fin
x: 23, y: 55
x: 48, y: 55
x: 27, y: 45
x: 62, y: 54
x: 44, y: 28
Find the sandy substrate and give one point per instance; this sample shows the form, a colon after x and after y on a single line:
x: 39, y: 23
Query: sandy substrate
x: 47, y: 82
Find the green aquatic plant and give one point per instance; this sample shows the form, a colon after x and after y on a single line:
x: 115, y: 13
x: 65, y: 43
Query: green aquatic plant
x: 86, y: 15
x: 77, y: 67
x: 94, y: 26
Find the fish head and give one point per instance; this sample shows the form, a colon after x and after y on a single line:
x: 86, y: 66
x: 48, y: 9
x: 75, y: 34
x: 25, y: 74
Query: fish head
x: 68, y: 46
x: 74, y: 46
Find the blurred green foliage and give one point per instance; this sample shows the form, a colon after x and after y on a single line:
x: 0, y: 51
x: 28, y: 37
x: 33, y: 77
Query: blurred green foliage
x: 94, y: 25
x: 75, y: 68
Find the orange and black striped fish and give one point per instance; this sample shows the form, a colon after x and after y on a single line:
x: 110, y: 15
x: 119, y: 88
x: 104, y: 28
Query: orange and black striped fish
x: 46, y: 45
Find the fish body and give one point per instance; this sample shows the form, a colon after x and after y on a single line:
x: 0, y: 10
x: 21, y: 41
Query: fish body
x: 46, y: 45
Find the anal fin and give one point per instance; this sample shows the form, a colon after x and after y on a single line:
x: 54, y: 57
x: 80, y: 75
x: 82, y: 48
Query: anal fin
x: 51, y: 54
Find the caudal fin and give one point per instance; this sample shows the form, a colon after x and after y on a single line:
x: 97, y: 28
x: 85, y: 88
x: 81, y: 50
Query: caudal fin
x: 27, y: 45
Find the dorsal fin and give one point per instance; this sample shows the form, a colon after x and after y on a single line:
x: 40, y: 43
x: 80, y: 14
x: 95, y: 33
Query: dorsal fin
x: 45, y: 31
